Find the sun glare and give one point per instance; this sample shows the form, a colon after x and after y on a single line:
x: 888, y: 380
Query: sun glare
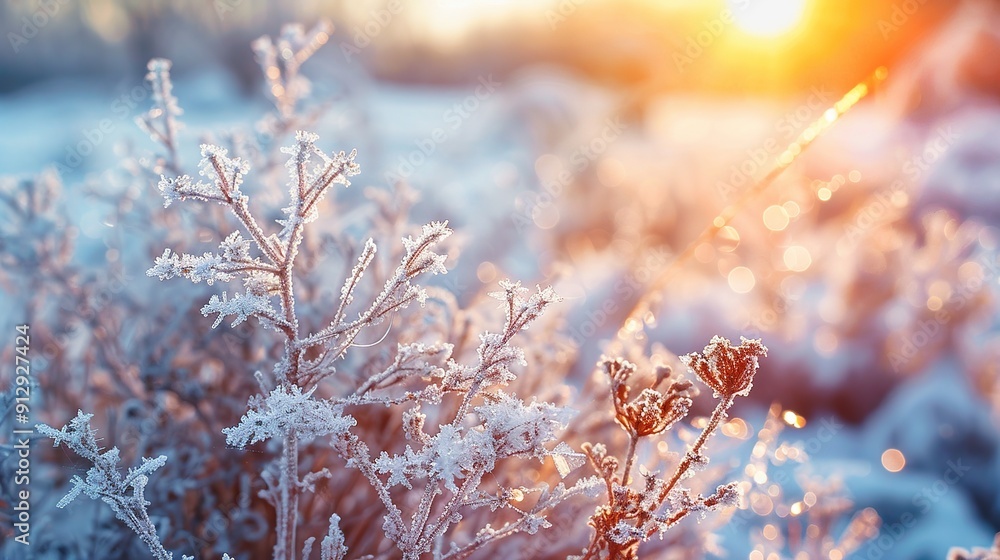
x: 767, y: 18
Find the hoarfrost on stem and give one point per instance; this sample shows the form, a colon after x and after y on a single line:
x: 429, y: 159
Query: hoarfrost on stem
x: 284, y: 409
x: 105, y: 481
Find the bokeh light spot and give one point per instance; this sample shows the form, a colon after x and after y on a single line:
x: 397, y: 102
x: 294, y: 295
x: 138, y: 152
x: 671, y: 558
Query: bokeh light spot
x: 775, y: 218
x: 761, y: 504
x: 736, y: 428
x: 486, y: 272
x: 809, y: 499
x: 826, y: 341
x: 611, y: 171
x: 741, y: 279
x: 791, y: 208
x: 705, y: 253
x: 729, y: 239
x: 797, y: 258
x: 546, y: 217
x: 893, y: 460
x: 793, y: 419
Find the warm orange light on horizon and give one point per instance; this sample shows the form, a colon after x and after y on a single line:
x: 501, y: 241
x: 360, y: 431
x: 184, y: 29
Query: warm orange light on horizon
x: 767, y: 18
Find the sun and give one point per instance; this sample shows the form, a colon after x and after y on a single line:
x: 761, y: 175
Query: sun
x: 766, y: 18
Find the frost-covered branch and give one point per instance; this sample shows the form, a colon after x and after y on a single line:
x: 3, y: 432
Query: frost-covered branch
x: 160, y: 122
x: 396, y: 294
x: 280, y: 59
x: 488, y: 426
x: 530, y: 521
x: 290, y: 412
x: 283, y: 409
x: 633, y: 515
x: 104, y: 480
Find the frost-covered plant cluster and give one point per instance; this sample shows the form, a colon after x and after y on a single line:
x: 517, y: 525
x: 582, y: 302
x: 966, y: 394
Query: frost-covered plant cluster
x: 471, y: 463
x: 451, y: 460
x: 638, y: 509
x: 484, y: 425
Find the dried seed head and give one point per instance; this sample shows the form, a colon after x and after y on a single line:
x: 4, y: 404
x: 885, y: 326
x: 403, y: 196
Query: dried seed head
x: 652, y: 411
x: 727, y: 369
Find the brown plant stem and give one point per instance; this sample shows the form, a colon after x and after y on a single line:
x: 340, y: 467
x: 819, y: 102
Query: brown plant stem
x: 717, y: 415
x: 633, y: 440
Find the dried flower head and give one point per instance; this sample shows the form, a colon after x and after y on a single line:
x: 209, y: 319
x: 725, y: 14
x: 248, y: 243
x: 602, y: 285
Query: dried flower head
x: 652, y: 411
x: 727, y: 369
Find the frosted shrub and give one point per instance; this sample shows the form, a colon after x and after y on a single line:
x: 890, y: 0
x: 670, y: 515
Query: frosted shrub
x: 487, y: 426
x: 449, y: 482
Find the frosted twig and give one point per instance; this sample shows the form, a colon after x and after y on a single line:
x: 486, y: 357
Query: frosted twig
x: 104, y: 480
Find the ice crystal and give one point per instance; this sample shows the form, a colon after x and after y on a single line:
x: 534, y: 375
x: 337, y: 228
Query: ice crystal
x: 243, y: 306
x: 332, y: 547
x: 284, y: 409
x: 516, y: 428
